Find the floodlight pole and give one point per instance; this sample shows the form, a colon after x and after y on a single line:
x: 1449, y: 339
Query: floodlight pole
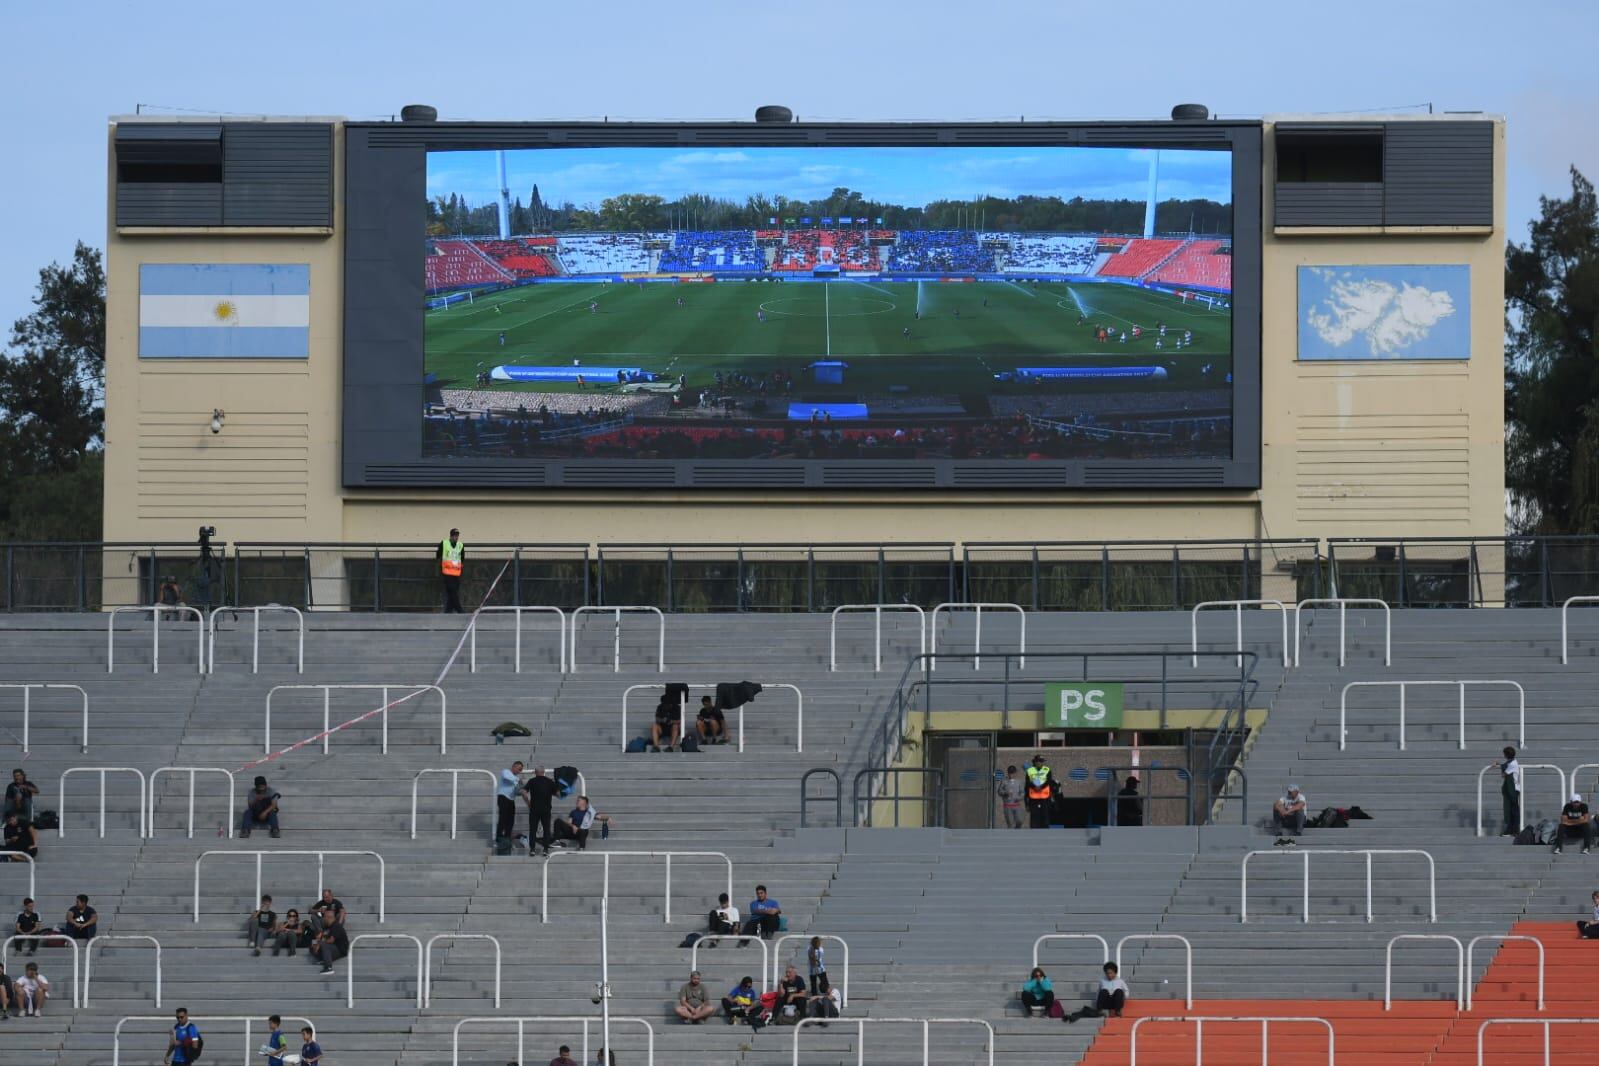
x: 605, y: 977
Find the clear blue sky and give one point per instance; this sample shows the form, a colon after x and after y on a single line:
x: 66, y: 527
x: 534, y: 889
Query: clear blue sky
x: 907, y: 177
x: 67, y: 66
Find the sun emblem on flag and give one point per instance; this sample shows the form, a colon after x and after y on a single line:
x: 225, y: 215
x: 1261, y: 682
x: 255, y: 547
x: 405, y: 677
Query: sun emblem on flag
x: 226, y: 312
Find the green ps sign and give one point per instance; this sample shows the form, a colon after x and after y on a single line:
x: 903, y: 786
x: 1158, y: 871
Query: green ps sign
x: 1083, y: 705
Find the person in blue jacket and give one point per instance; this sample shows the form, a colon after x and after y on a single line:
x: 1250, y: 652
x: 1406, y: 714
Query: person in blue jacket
x: 1038, y: 994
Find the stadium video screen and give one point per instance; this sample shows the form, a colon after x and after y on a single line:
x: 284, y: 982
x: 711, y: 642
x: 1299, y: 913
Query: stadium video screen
x: 835, y: 303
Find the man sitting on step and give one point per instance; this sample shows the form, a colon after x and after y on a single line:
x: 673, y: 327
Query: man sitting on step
x: 1590, y: 930
x: 1288, y: 815
x: 1575, y: 821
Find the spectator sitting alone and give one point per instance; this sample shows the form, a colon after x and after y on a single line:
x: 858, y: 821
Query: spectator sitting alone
x: 19, y: 796
x: 82, y: 920
x: 576, y: 827
x: 1038, y: 994
x: 261, y: 808
x: 1576, y: 821
x: 1590, y: 930
x: 1288, y: 815
x: 693, y: 1005
x: 1112, y: 996
x: 330, y: 945
x: 765, y: 917
x: 20, y: 838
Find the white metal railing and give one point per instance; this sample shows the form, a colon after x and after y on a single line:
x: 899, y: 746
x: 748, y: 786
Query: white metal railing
x: 349, y: 964
x: 1580, y: 767
x: 686, y: 724
x: 255, y: 644
x: 327, y: 709
x: 1388, y: 967
x: 321, y: 859
x: 1343, y: 618
x: 1104, y: 948
x: 455, y: 782
x: 605, y: 893
x: 250, y: 1052
x: 100, y: 942
x: 1343, y: 705
x: 192, y: 771
x: 1545, y: 1022
x: 560, y: 628
x: 1503, y: 937
x: 552, y: 1019
x: 766, y: 954
x: 155, y: 611
x: 1564, y: 607
x: 1305, y: 853
x: 427, y: 964
x: 877, y: 629
x: 15, y: 856
x: 27, y: 705
x: 977, y: 639
x: 40, y: 936
x: 616, y: 653
x: 1522, y: 806
x: 1238, y: 607
x: 1188, y: 960
x: 1199, y: 1034
x: 61, y: 812
x: 860, y: 1033
x: 777, y: 959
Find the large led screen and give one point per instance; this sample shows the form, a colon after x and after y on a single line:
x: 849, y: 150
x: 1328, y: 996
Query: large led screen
x: 829, y: 303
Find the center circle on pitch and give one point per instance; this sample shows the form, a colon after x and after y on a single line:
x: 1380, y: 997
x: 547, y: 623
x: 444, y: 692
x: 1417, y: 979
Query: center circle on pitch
x: 812, y: 307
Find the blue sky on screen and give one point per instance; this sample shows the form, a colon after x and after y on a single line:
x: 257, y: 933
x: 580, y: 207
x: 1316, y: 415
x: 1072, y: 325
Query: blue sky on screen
x: 909, y: 177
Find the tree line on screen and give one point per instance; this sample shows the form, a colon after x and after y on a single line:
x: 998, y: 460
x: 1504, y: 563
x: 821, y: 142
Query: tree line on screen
x: 634, y: 212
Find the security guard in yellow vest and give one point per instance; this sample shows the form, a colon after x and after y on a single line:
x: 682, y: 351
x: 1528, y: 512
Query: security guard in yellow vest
x: 1040, y: 793
x: 451, y: 555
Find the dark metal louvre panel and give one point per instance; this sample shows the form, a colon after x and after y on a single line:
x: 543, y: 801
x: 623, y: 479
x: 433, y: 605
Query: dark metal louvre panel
x: 878, y: 475
x: 1153, y: 476
x: 278, y: 174
x: 1010, y: 477
x: 174, y: 143
x: 591, y: 475
x: 1328, y: 203
x: 754, y: 475
x: 175, y: 204
x: 1438, y: 174
x: 456, y: 474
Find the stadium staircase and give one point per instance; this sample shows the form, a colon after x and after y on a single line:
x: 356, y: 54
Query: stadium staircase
x: 940, y: 923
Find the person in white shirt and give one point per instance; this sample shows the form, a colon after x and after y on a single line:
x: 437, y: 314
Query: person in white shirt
x: 1112, y: 996
x: 33, y: 990
x: 724, y: 919
x: 1510, y: 793
x: 1288, y: 815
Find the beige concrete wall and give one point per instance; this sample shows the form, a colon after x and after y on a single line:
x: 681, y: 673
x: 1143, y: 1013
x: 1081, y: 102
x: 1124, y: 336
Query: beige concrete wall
x: 1349, y: 449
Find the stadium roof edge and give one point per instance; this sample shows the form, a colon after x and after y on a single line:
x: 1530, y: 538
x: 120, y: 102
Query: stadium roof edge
x: 1367, y: 116
x: 212, y: 119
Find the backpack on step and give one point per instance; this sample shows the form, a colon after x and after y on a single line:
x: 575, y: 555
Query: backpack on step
x: 1528, y: 835
x: 690, y: 743
x: 637, y: 746
x: 47, y: 820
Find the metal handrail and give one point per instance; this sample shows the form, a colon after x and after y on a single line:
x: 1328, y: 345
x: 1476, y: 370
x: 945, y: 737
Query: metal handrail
x: 248, y: 1020
x: 1565, y: 659
x: 1343, y: 606
x: 799, y: 698
x: 616, y: 665
x: 1432, y: 875
x: 321, y: 859
x: 191, y: 771
x: 455, y: 781
x: 61, y: 813
x: 427, y: 965
x: 33, y: 871
x: 565, y: 1019
x: 27, y: 688
x: 1388, y: 967
x: 255, y: 652
x: 101, y: 941
x: 1199, y: 1033
x: 1238, y: 606
x: 71, y: 942
x: 1041, y: 941
x: 895, y: 772
x: 1578, y: 769
x: 1503, y: 937
x: 1188, y: 959
x: 1343, y: 705
x: 860, y: 1033
x: 155, y: 611
x: 977, y: 641
x: 605, y: 893
x: 349, y: 964
x: 877, y: 629
x: 1522, y: 808
x: 1545, y: 1022
x: 777, y: 959
x: 383, y: 711
x: 518, y: 612
x: 766, y: 954
x: 838, y: 795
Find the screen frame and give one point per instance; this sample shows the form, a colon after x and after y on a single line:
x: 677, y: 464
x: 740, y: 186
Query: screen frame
x: 385, y: 191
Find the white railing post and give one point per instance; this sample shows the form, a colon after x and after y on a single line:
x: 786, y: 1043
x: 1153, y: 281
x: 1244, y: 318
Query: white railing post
x: 427, y: 964
x: 1188, y: 959
x: 1238, y: 623
x: 616, y: 612
x: 977, y: 645
x: 777, y: 958
x: 877, y: 610
x: 321, y: 859
x: 799, y: 698
x: 1525, y: 767
x: 1545, y: 1023
x: 1199, y: 1033
x: 71, y: 942
x: 1104, y: 948
x: 517, y: 612
x: 166, y: 1021
x: 605, y: 893
x: 101, y: 941
x: 1564, y: 607
x: 61, y: 813
x: 1343, y: 606
x: 1503, y: 938
x: 155, y: 611
x: 1368, y: 853
x: 924, y: 1023
x: 15, y: 856
x: 26, y: 688
x: 455, y: 778
x: 255, y: 645
x: 1461, y: 976
x: 328, y: 729
x: 1404, y: 686
x: 564, y: 1019
x: 349, y: 964
x: 192, y: 771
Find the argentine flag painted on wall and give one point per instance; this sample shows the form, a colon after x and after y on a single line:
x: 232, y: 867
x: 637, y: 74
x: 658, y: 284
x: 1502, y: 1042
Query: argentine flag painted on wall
x: 224, y: 311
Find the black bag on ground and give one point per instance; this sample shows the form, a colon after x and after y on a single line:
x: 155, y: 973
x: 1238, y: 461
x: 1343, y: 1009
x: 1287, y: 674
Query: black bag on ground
x: 1528, y: 835
x: 511, y: 729
x: 1548, y: 831
x: 690, y: 743
x: 690, y: 940
x: 47, y: 820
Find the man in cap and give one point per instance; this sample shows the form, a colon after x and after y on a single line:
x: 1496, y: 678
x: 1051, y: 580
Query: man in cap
x: 1040, y: 792
x: 1575, y: 821
x: 1288, y: 815
x: 451, y: 555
